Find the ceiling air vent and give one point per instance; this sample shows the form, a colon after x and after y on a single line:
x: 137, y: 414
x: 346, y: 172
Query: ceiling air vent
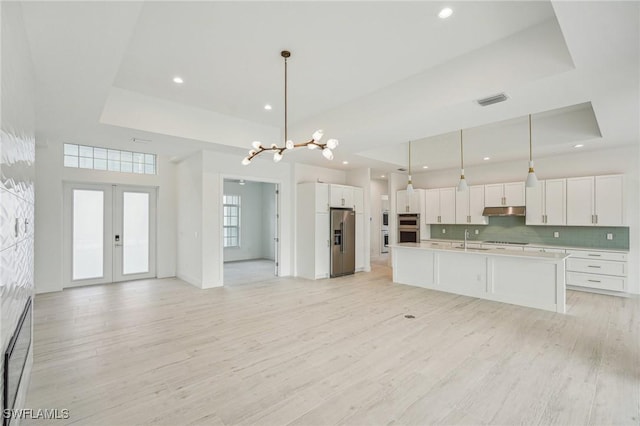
x: 501, y: 97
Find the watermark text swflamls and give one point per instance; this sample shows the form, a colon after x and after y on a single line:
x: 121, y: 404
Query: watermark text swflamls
x: 36, y: 414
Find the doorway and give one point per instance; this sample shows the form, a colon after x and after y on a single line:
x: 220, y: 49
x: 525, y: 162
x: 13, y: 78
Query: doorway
x: 250, y: 231
x: 109, y: 233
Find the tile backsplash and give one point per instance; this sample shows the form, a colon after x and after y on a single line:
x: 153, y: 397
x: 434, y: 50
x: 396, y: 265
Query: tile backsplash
x: 513, y: 229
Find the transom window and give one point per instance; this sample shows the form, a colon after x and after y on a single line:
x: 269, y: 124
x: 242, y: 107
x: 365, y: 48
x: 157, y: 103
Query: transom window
x: 231, y: 217
x: 113, y: 160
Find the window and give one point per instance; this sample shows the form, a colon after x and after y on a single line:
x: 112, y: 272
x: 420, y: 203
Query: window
x: 231, y: 217
x: 113, y: 160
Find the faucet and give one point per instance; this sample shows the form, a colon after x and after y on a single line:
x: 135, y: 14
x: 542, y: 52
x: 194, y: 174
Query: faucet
x: 466, y: 235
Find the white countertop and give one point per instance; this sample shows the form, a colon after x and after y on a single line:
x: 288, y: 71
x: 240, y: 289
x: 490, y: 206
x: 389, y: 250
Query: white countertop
x: 532, y: 245
x: 487, y: 252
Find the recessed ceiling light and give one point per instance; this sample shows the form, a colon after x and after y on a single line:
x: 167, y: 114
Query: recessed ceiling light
x: 445, y: 13
x: 425, y: 167
x: 579, y: 145
x: 381, y: 176
x: 267, y: 107
x: 345, y: 162
x: 178, y: 80
x: 487, y: 158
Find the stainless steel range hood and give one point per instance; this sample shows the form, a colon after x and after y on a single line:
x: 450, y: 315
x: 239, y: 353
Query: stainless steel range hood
x: 504, y: 211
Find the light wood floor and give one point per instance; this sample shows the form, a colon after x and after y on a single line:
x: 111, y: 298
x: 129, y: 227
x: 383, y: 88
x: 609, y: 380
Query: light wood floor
x: 248, y: 271
x: 338, y: 351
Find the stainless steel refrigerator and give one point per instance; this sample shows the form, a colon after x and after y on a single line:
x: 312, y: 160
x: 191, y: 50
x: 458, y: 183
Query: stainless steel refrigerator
x: 343, y: 237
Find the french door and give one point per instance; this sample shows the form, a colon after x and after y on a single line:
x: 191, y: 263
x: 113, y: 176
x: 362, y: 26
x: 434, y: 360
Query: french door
x: 109, y: 233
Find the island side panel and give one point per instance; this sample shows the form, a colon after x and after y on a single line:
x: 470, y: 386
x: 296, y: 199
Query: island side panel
x: 462, y: 273
x: 525, y: 282
x: 413, y: 267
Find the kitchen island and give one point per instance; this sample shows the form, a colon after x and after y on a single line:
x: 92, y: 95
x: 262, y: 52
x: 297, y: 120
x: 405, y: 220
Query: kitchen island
x: 531, y: 279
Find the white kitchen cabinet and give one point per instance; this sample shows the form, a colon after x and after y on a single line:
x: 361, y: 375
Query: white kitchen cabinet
x: 595, y: 201
x: 546, y: 203
x: 504, y: 194
x: 312, y: 231
x: 597, y: 269
x: 440, y: 206
x: 609, y: 200
x: 469, y: 206
x: 321, y: 191
x: 413, y: 203
x: 341, y: 196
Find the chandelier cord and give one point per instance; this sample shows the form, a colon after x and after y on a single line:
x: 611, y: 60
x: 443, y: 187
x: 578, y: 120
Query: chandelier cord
x: 285, y: 101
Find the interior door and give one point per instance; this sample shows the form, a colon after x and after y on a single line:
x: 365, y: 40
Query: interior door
x: 134, y: 233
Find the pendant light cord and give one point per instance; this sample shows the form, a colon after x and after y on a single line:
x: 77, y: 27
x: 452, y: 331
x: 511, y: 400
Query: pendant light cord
x: 530, y: 143
x: 461, y: 152
x: 409, y: 158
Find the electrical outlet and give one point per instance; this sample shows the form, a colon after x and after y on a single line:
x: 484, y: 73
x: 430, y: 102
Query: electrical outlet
x: 476, y: 232
x: 609, y: 236
x: 444, y: 231
x: 556, y: 235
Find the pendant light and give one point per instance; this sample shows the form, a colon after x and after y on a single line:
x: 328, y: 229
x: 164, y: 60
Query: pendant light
x: 532, y: 180
x: 462, y: 185
x: 278, y: 151
x: 409, y: 183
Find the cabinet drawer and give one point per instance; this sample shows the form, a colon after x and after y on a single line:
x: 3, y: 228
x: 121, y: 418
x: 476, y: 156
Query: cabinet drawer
x: 598, y: 255
x: 597, y: 267
x: 596, y: 281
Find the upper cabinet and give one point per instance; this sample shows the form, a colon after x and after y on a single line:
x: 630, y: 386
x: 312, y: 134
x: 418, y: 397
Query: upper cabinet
x: 413, y: 203
x: 546, y: 203
x: 469, y: 206
x: 341, y: 196
x: 440, y: 206
x: 504, y: 194
x: 321, y: 191
x: 595, y: 201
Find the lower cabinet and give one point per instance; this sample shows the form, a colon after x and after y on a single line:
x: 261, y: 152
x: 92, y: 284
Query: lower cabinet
x: 597, y: 269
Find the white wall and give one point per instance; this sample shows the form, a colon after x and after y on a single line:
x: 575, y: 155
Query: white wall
x: 217, y: 167
x: 50, y: 178
x: 268, y: 220
x: 189, y: 199
x: 306, y: 173
x: 17, y: 155
x: 257, y: 219
x: 625, y: 160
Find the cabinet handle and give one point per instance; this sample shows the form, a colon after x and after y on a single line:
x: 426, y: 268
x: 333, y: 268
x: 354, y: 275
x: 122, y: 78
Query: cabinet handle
x: 596, y: 219
x: 594, y: 266
x: 468, y: 219
x: 592, y: 220
x: 595, y: 255
x: 594, y: 281
x: 328, y: 244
